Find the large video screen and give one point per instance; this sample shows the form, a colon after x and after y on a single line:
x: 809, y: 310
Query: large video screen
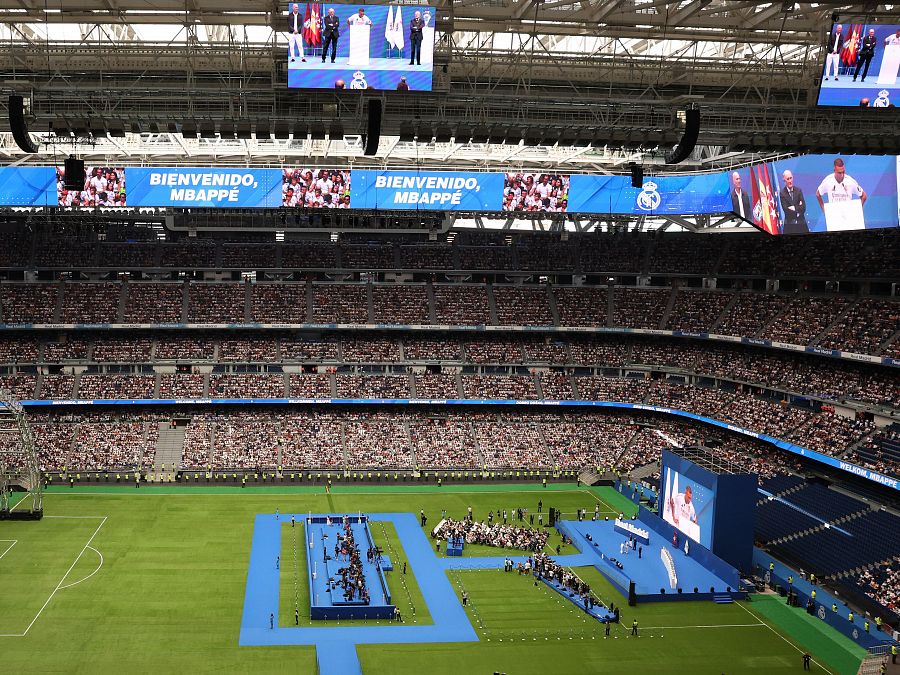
x: 332, y: 46
x: 817, y: 193
x: 688, y: 505
x: 861, y: 66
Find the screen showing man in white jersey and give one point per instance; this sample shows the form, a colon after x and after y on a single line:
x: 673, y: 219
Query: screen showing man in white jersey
x: 841, y: 199
x: 679, y: 508
x: 839, y: 187
x: 682, y: 509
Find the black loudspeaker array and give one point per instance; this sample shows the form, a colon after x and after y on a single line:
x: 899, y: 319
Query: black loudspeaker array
x: 688, y: 139
x: 373, y: 127
x: 74, y: 173
x: 637, y: 176
x: 17, y: 125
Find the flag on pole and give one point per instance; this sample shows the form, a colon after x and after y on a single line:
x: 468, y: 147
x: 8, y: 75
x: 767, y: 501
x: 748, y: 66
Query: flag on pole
x: 399, y: 42
x: 389, y: 27
x: 312, y: 32
x: 851, y: 46
x: 774, y: 217
x: 755, y: 201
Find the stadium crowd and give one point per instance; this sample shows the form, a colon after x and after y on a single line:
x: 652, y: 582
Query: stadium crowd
x: 499, y: 534
x: 311, y: 189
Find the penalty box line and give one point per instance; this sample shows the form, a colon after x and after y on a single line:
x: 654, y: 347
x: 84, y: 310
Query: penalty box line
x: 68, y: 571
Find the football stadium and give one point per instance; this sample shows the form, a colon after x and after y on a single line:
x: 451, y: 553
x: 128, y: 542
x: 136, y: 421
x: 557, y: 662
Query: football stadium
x: 491, y: 336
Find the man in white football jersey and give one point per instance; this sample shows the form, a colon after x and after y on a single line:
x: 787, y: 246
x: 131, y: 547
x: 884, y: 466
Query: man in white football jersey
x: 682, y: 508
x: 839, y: 187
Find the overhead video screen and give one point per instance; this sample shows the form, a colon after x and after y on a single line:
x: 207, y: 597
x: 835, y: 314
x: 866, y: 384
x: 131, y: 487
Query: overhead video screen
x: 334, y: 46
x: 817, y: 193
x: 862, y: 62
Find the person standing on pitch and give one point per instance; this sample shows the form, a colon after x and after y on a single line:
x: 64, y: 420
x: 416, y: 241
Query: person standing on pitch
x: 271, y: 621
x: 415, y: 39
x: 634, y: 627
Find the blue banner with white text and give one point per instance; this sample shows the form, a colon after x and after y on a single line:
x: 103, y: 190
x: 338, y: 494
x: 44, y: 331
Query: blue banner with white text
x: 426, y: 191
x: 194, y: 187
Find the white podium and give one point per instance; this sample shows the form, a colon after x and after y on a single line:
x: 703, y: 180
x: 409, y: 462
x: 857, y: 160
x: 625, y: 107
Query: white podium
x: 841, y: 216
x: 359, y: 45
x: 890, y: 65
x: 428, y: 46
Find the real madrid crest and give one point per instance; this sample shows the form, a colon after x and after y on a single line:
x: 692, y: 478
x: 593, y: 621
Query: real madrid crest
x: 359, y: 81
x: 883, y: 100
x: 648, y: 198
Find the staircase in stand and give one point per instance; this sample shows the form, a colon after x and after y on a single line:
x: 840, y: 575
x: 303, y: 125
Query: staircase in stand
x: 169, y: 449
x: 588, y: 477
x: 722, y: 599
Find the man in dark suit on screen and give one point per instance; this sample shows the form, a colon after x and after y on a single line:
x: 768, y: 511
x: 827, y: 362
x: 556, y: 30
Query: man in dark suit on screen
x: 415, y: 39
x: 331, y: 29
x: 740, y: 200
x: 793, y: 203
x: 866, y: 52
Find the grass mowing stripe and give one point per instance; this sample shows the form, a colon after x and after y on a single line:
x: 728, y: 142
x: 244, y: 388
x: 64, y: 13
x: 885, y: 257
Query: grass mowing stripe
x: 836, y: 650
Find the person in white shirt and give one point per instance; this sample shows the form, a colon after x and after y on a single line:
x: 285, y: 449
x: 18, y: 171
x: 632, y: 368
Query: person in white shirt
x: 893, y: 39
x: 360, y: 19
x: 833, y: 58
x: 296, y: 24
x: 839, y: 187
x: 98, y: 180
x: 682, y: 508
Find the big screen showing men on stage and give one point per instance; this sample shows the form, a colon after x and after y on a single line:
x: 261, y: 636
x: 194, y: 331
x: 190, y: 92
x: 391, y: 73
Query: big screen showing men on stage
x: 334, y: 46
x: 817, y: 193
x: 862, y: 63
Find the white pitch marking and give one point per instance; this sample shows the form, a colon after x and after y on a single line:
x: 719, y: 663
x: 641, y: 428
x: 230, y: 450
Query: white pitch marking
x: 13, y: 542
x: 722, y: 625
x: 59, y: 585
x: 75, y: 583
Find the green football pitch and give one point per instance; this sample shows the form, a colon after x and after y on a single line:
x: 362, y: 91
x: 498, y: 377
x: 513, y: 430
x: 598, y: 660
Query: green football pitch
x: 154, y: 580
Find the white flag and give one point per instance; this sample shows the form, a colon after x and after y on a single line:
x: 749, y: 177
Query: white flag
x: 389, y: 27
x: 398, y: 29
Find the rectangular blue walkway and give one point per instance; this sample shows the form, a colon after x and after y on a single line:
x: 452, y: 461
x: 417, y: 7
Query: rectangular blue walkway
x: 336, y: 644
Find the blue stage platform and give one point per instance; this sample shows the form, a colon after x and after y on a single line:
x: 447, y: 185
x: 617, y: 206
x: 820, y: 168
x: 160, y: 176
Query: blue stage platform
x: 327, y: 599
x: 648, y: 572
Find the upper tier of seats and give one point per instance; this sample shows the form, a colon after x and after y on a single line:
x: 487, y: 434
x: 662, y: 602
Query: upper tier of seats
x: 864, y: 325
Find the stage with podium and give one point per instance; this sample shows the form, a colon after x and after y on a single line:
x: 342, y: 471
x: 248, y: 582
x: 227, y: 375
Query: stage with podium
x: 880, y: 88
x: 694, y: 549
x: 372, y: 53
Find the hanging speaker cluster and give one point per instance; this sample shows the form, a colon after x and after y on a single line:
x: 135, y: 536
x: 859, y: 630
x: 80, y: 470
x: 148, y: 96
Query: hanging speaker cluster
x: 18, y: 126
x: 373, y: 126
x: 75, y: 175
x: 688, y: 139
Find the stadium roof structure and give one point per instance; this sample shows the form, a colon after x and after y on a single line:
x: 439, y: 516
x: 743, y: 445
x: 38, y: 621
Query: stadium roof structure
x: 571, y: 85
x: 708, y: 460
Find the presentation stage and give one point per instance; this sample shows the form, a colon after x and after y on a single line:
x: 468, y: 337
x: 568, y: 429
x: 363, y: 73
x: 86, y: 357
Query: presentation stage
x: 333, y: 46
